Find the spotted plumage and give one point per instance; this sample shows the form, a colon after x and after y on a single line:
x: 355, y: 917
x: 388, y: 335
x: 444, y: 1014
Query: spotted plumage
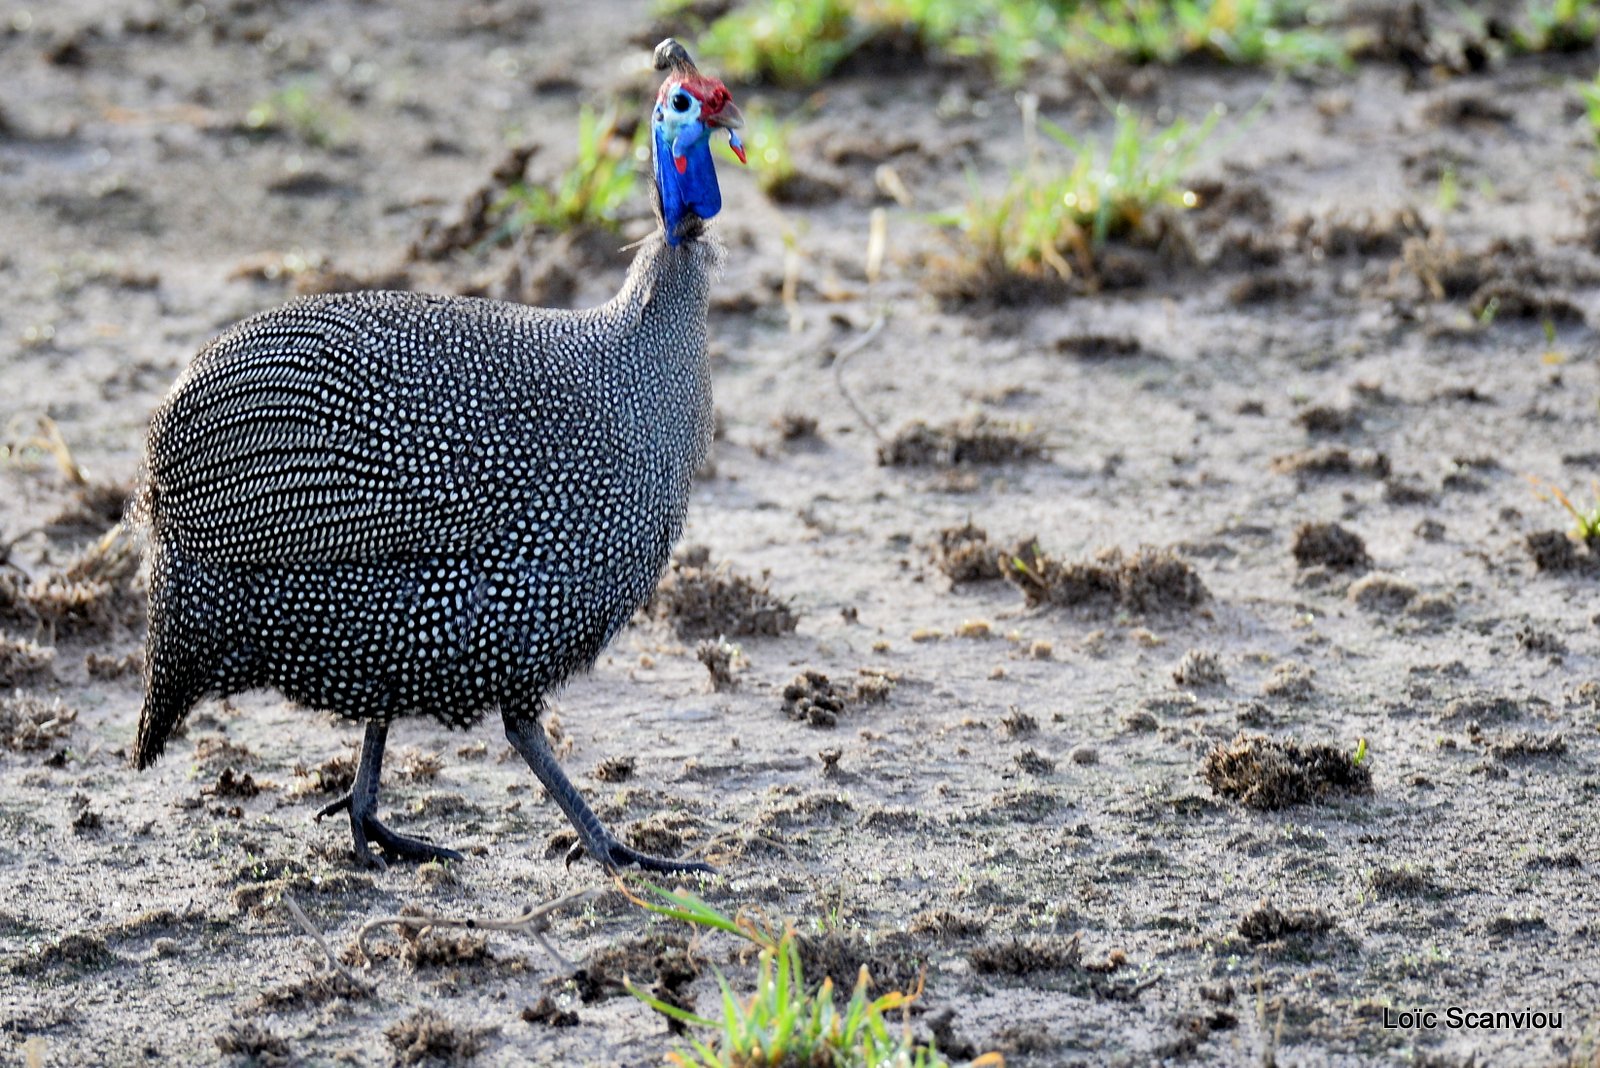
x: 388, y: 504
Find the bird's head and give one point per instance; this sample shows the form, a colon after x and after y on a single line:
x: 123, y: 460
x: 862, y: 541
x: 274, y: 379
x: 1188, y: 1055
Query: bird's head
x: 689, y: 107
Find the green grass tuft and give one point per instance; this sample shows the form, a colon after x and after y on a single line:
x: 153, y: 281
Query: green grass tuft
x: 785, y: 1021
x: 592, y: 192
x: 1586, y: 524
x: 1236, y: 32
x: 1051, y: 221
x: 1557, y: 26
x: 299, y: 111
x: 798, y: 43
x: 766, y: 138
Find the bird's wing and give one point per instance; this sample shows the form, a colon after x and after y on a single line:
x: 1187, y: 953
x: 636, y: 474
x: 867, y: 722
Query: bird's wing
x: 361, y: 428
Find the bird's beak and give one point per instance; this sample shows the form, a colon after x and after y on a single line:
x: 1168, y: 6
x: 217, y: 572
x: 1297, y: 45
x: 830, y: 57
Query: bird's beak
x: 730, y: 119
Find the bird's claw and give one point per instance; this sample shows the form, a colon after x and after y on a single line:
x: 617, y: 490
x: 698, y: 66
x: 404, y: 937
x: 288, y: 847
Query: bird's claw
x: 368, y: 832
x: 341, y: 804
x: 612, y: 855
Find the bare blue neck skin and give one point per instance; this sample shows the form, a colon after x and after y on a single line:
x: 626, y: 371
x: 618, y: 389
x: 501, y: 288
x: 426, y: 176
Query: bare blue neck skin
x: 694, y: 192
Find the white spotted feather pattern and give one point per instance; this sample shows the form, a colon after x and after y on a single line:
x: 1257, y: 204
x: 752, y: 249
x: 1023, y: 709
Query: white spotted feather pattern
x: 386, y: 504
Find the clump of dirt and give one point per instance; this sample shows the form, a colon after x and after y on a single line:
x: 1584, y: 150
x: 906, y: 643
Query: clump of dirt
x: 1267, y: 774
x: 946, y: 923
x: 1480, y: 708
x: 23, y: 663
x: 1400, y: 882
x: 548, y: 269
x: 1221, y: 202
x: 427, y: 1036
x: 1330, y: 460
x: 1326, y: 419
x: 1555, y: 552
x: 701, y: 601
x: 1531, y: 639
x: 985, y: 281
x: 615, y: 769
x: 263, y: 889
x: 318, y: 989
x: 546, y: 1011
x: 1265, y: 287
x: 1151, y: 580
x: 657, y: 955
x: 973, y: 441
x: 1033, y: 762
x: 795, y: 427
x: 1268, y: 923
x: 86, y: 819
x: 475, y: 219
x: 1525, y: 745
x: 1510, y: 298
x: 336, y: 775
x: 874, y: 686
x: 798, y: 188
x: 252, y: 1041
x: 1193, y: 1030
x: 78, y: 952
x: 1098, y: 347
x: 94, y: 594
x: 659, y: 835
x: 719, y: 658
x: 417, y: 765
x: 1357, y: 233
x: 213, y: 750
x: 1017, y: 956
x: 233, y: 784
x: 101, y: 666
x: 813, y: 699
x: 893, y: 959
x: 28, y: 721
x: 94, y: 508
x: 1329, y: 545
x: 965, y: 554
x: 1289, y: 682
x: 1199, y: 670
x: 429, y: 947
x: 1018, y: 724
x: 1380, y: 592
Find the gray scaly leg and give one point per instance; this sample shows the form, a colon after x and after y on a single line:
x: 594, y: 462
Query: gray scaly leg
x: 362, y: 804
x: 526, y: 736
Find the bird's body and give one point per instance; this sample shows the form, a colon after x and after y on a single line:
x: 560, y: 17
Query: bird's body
x: 378, y: 502
x: 387, y: 504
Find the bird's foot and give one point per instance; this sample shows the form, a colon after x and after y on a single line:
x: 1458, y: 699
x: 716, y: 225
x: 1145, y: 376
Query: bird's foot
x: 400, y: 847
x: 366, y: 829
x: 613, y: 855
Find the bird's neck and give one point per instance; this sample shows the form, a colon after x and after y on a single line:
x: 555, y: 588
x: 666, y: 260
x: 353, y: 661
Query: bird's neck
x: 666, y: 296
x: 668, y: 288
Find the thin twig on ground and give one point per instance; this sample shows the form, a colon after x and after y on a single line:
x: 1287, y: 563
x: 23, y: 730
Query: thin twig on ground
x: 310, y: 928
x: 530, y: 923
x: 856, y: 345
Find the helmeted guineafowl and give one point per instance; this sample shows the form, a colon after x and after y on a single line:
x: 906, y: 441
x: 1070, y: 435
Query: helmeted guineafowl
x: 388, y: 504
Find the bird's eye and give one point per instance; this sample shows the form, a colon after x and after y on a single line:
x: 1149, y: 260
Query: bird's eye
x: 680, y: 102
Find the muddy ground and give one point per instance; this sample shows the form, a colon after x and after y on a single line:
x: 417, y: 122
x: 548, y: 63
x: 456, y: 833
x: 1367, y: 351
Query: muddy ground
x: 1382, y: 322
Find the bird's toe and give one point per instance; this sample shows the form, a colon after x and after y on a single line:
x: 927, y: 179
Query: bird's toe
x: 334, y: 807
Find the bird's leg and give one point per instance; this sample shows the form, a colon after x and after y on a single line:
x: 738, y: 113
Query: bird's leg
x: 362, y: 804
x: 526, y: 736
